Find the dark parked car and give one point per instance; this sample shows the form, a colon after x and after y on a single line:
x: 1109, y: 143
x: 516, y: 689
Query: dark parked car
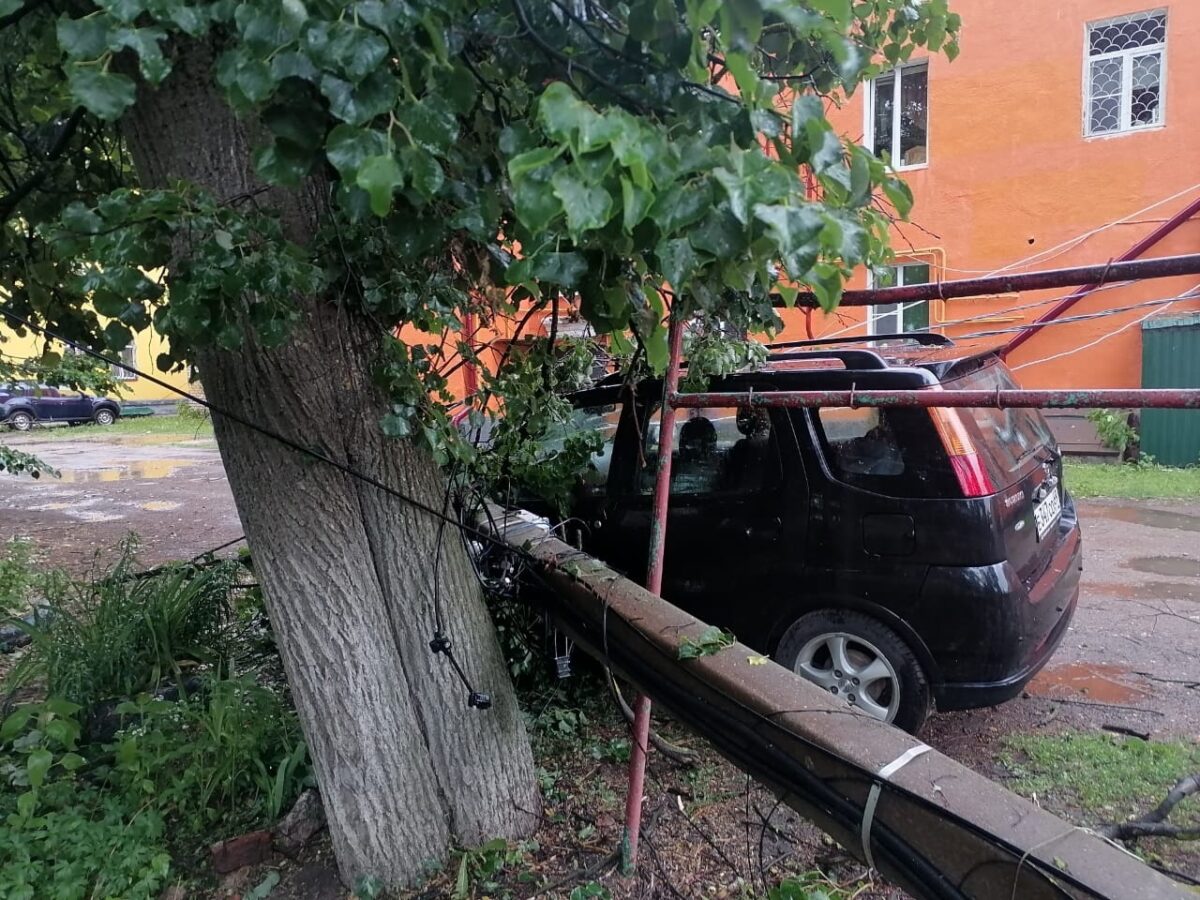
x: 23, y: 405
x: 899, y: 558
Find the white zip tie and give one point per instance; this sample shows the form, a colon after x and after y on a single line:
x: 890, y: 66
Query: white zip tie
x: 884, y: 774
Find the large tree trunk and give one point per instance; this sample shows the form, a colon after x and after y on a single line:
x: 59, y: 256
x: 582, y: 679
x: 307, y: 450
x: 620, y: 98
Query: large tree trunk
x: 406, y: 769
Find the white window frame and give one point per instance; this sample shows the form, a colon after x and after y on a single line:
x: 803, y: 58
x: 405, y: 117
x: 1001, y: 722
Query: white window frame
x: 869, y: 114
x: 120, y: 374
x: 873, y: 319
x: 1126, y: 57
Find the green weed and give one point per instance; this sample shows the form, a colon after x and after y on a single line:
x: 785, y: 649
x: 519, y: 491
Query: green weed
x: 1131, y: 481
x: 116, y: 635
x: 1108, y: 776
x: 231, y: 753
x: 480, y: 869
x: 20, y: 581
x: 62, y: 835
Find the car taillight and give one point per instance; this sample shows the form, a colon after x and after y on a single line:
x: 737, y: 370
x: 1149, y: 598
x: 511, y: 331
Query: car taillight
x: 973, y: 478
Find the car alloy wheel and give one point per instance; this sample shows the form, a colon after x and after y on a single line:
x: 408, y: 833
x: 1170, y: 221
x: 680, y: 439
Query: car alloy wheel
x: 20, y: 421
x: 854, y: 669
x: 105, y: 417
x: 860, y: 660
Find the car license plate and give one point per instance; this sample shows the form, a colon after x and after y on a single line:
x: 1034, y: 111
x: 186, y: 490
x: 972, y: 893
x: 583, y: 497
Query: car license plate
x: 1047, y: 513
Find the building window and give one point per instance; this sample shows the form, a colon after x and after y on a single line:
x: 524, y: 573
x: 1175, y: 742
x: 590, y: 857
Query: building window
x: 898, y: 318
x: 898, y: 116
x: 1125, y: 72
x: 129, y: 357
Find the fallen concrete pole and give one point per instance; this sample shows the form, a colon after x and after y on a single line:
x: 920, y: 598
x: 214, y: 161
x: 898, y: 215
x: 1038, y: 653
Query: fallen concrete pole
x: 926, y: 822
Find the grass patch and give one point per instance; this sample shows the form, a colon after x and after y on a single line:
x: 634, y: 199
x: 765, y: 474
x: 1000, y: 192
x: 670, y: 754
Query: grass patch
x: 181, y: 427
x: 1107, y: 776
x: 1132, y: 482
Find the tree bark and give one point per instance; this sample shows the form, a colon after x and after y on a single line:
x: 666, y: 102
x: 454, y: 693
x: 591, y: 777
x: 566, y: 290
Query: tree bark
x: 407, y: 771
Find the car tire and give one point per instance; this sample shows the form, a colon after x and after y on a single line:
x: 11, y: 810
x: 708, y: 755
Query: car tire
x: 896, y: 689
x: 20, y: 421
x: 104, y: 417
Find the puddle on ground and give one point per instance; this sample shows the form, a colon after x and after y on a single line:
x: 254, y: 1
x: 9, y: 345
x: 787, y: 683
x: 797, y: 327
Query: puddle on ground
x: 1171, y: 566
x: 161, y: 505
x: 1093, y: 681
x: 138, y: 470
x: 1141, y: 515
x: 1147, y: 590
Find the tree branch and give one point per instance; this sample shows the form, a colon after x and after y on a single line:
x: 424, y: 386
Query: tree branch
x: 9, y: 202
x: 1153, y: 823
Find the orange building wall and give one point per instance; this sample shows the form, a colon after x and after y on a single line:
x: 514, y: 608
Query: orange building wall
x: 1010, y: 174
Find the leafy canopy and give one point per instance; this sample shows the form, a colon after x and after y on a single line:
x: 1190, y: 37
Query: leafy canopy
x: 479, y: 156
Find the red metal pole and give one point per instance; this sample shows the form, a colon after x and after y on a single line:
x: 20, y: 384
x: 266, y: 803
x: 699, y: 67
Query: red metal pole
x: 1092, y: 276
x: 658, y: 543
x: 1141, y: 398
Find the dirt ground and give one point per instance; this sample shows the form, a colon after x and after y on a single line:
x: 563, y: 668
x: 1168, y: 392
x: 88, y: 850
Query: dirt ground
x: 1128, y: 662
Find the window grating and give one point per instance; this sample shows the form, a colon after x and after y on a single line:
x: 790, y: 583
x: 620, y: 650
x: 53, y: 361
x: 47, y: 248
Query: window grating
x: 1127, y: 33
x: 1124, y: 75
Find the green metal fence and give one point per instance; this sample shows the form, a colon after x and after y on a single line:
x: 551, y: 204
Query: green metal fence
x: 1171, y: 359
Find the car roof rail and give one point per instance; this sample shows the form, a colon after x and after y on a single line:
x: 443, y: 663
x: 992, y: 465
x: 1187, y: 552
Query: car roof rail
x: 924, y: 338
x: 851, y: 359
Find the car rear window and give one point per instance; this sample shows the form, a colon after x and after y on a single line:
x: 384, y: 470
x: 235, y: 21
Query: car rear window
x: 1008, y: 439
x: 894, y: 452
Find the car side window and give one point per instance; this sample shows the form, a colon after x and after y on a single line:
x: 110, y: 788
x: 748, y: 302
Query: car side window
x: 716, y: 451
x: 860, y: 442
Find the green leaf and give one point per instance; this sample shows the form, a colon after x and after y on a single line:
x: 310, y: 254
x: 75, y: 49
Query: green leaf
x: 85, y: 38
x: 72, y: 761
x: 636, y: 202
x: 560, y: 111
x: 379, y: 176
x: 425, y: 170
x: 78, y: 217
x: 16, y: 723
x: 536, y: 202
x: 826, y: 148
x: 860, y: 177
x: 794, y: 230
x: 587, y: 206
x: 347, y: 146
x: 805, y: 108
x: 104, y: 94
x: 279, y: 164
x: 681, y: 205
x: 564, y: 269
x: 677, y: 261
x: 838, y: 10
x: 37, y: 764
x: 145, y: 43
x: 432, y: 124
x: 532, y: 160
x: 899, y: 195
x: 358, y: 104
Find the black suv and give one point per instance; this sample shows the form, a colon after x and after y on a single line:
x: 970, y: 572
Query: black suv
x: 900, y: 558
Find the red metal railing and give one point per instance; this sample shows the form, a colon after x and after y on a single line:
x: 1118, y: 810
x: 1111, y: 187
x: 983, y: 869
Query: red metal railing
x: 1091, y: 276
x: 1145, y: 398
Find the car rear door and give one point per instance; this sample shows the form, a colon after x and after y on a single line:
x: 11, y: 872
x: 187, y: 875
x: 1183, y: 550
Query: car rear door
x: 1023, y: 461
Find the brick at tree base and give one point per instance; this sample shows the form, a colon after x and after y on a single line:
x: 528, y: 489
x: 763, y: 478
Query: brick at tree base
x: 243, y: 850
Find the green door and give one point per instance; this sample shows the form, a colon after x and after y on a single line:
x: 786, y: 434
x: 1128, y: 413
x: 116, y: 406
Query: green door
x: 1171, y: 359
